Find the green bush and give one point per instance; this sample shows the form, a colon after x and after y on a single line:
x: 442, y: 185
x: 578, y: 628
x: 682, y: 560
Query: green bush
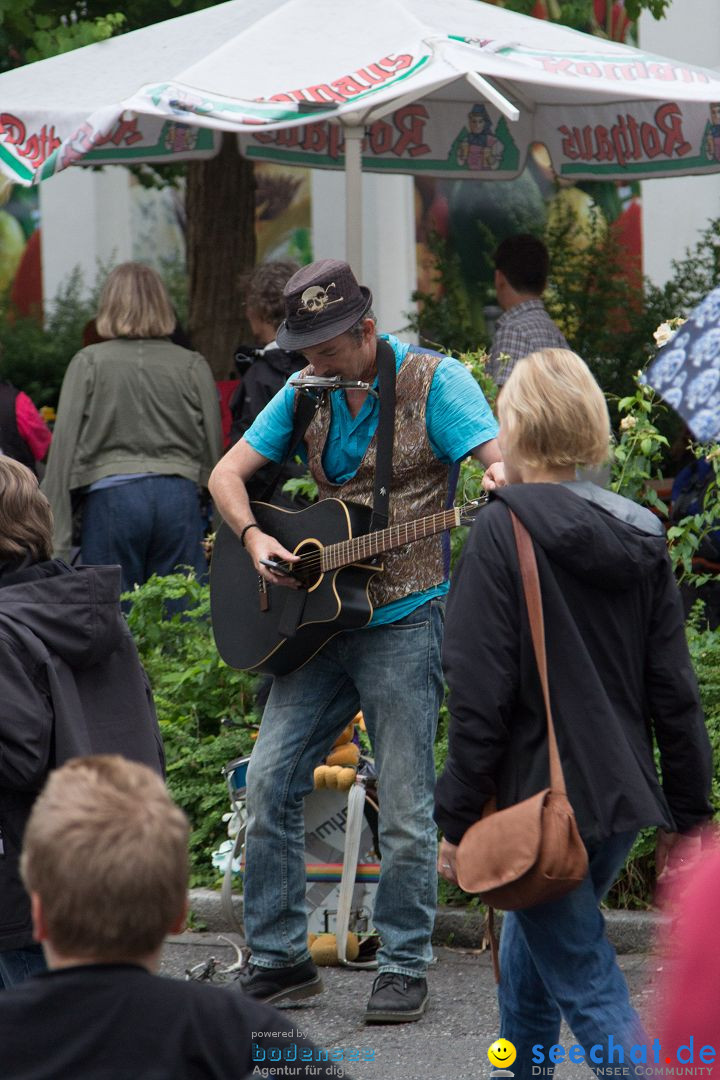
x: 206, y: 710
x: 602, y: 305
x: 34, y: 357
x: 448, y: 320
x: 705, y: 653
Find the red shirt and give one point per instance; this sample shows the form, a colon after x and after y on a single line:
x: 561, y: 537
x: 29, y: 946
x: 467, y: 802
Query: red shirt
x: 690, y: 987
x: 31, y: 426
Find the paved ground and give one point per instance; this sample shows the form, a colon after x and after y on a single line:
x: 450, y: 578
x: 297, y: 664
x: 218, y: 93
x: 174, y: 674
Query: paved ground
x: 450, y: 1043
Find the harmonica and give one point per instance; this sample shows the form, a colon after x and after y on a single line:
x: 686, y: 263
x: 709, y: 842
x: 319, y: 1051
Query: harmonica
x: 308, y: 383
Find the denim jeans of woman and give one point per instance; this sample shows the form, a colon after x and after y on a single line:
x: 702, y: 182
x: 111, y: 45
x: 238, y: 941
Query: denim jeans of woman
x: 151, y: 525
x: 557, y: 963
x: 393, y: 673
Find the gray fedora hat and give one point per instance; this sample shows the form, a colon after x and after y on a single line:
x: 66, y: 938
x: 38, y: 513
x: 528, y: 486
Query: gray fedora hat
x: 322, y: 301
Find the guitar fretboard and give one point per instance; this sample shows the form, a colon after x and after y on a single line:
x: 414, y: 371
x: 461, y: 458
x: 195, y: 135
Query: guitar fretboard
x: 366, y: 546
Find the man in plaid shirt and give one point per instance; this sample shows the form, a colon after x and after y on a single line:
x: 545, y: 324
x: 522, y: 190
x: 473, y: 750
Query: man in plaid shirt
x: 521, y: 272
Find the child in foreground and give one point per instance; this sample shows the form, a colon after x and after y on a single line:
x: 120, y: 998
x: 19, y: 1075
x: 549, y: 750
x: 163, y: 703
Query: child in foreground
x: 105, y: 863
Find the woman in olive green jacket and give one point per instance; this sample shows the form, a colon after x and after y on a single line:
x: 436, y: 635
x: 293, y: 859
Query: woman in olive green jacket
x: 137, y: 432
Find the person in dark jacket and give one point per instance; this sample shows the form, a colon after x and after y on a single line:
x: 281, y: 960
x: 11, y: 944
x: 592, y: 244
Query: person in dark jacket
x: 265, y: 369
x: 71, y: 683
x: 619, y: 672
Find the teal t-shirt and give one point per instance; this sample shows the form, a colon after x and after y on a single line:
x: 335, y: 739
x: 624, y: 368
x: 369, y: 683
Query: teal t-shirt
x: 458, y: 418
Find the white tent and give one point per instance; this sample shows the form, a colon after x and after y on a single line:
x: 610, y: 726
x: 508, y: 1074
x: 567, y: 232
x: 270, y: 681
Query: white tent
x: 459, y: 88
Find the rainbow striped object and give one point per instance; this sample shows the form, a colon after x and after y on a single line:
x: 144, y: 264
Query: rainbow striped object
x: 333, y: 871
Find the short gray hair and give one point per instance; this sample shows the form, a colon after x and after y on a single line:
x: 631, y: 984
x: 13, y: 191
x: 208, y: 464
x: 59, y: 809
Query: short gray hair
x: 356, y: 330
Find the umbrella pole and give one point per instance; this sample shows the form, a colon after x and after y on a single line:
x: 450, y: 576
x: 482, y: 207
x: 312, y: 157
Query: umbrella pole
x: 353, y: 198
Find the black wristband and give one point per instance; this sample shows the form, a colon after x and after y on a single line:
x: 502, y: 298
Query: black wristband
x: 252, y: 525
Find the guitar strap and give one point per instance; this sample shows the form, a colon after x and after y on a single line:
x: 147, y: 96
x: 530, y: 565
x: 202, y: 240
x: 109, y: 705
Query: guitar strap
x: 306, y: 408
x: 385, y: 434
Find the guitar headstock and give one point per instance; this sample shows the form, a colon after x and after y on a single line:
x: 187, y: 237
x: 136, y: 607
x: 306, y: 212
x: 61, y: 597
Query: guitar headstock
x: 469, y: 510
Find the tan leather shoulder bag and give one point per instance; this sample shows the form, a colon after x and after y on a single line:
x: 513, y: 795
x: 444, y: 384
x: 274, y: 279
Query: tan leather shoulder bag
x: 531, y: 852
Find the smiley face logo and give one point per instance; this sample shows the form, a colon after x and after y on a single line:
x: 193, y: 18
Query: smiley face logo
x: 501, y: 1054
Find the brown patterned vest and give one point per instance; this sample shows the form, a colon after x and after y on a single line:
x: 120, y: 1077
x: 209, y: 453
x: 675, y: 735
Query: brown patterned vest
x: 419, y: 482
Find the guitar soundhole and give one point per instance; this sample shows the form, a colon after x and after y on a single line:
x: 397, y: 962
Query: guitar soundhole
x: 310, y: 569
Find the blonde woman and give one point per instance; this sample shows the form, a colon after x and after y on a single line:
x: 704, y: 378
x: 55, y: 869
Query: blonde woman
x: 137, y: 431
x: 619, y: 671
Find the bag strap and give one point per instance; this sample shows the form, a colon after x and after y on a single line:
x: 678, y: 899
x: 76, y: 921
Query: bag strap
x: 492, y: 937
x: 533, y: 600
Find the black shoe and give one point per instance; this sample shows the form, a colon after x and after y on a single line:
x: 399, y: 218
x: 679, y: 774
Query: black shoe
x: 396, y: 999
x: 280, y: 984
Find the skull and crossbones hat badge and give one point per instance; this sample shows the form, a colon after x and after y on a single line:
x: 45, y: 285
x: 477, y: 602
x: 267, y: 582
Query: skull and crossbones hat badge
x: 322, y: 301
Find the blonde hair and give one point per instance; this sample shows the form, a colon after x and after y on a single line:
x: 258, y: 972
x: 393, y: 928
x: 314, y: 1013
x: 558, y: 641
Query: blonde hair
x: 134, y: 303
x: 26, y: 521
x: 553, y: 413
x: 105, y: 848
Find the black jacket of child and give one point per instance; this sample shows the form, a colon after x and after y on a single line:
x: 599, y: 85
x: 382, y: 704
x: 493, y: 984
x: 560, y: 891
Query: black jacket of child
x: 71, y: 683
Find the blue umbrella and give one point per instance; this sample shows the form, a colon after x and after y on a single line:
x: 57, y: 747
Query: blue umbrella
x: 686, y: 371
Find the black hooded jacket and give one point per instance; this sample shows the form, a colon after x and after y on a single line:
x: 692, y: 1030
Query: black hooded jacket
x: 71, y: 683
x: 618, y: 667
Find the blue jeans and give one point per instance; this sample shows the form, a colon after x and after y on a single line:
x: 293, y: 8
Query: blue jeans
x: 16, y: 965
x: 149, y: 526
x: 556, y: 961
x: 393, y: 674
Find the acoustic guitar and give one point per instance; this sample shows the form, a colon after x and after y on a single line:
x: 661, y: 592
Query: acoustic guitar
x: 274, y: 629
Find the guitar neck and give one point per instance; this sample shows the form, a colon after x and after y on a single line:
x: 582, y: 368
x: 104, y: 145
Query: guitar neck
x: 364, y: 547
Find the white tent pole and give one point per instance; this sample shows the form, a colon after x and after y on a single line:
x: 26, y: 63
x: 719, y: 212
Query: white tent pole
x: 353, y: 198
x: 493, y: 95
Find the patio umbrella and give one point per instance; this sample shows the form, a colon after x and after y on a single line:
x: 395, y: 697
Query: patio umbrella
x: 459, y: 88
x: 686, y: 371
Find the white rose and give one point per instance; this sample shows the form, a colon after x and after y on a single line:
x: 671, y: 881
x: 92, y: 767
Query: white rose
x: 666, y: 331
x: 663, y: 334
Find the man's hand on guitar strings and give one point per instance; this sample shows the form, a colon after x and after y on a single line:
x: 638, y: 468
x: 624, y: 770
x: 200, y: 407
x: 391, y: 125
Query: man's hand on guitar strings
x: 265, y: 549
